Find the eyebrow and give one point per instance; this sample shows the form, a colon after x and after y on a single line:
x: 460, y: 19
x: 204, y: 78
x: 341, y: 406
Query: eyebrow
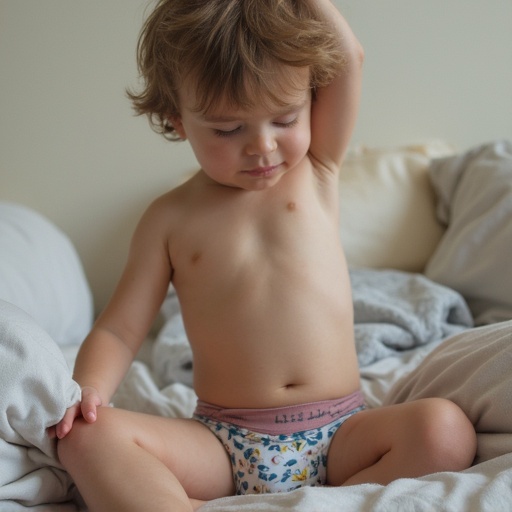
x: 288, y: 109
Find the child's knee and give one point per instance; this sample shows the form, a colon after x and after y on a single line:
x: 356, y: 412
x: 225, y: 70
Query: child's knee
x: 448, y: 434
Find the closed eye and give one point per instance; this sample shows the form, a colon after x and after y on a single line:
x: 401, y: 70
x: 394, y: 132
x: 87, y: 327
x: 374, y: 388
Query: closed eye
x: 287, y: 124
x: 226, y: 133
x: 280, y: 124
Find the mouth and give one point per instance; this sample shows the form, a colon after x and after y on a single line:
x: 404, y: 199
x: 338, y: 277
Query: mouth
x: 262, y: 172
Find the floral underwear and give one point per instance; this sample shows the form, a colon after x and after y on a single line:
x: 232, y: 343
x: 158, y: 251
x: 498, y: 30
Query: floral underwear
x: 288, y: 446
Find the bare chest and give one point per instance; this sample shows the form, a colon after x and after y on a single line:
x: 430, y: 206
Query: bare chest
x: 292, y: 233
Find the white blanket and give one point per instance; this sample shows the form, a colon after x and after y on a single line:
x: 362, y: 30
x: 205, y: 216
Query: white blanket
x: 36, y: 388
x: 483, y: 488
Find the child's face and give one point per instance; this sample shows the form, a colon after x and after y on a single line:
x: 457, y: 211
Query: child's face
x: 250, y: 148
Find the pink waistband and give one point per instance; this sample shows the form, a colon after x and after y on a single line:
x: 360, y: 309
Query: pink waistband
x: 284, y: 420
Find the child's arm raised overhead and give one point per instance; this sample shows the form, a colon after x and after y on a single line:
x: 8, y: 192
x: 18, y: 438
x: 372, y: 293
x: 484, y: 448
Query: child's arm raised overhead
x: 335, y: 108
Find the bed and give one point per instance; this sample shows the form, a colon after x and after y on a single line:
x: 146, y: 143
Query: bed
x: 432, y: 293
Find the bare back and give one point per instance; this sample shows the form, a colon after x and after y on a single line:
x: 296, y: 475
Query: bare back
x: 264, y: 290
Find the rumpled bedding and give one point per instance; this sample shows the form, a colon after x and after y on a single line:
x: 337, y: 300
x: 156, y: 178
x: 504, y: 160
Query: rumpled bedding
x: 396, y: 311
x: 414, y: 315
x: 474, y: 191
x: 36, y: 389
x: 473, y: 370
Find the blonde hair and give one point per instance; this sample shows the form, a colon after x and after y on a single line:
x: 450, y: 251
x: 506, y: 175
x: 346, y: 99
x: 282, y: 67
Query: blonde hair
x: 232, y: 49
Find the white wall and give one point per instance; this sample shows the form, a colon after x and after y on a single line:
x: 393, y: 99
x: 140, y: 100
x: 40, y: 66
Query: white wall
x: 434, y: 69
x: 69, y: 143
x: 71, y: 148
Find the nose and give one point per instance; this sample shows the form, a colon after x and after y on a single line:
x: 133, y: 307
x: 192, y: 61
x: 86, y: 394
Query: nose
x: 261, y: 143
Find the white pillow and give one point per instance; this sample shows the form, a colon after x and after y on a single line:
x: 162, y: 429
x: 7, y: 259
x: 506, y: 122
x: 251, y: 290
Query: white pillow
x: 475, y: 255
x: 40, y: 272
x: 387, y: 207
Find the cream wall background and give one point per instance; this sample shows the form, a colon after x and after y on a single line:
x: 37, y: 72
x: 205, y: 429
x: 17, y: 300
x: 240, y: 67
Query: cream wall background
x: 71, y: 148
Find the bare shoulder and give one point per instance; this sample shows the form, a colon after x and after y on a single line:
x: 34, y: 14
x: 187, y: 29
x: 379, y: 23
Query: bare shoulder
x: 156, y: 228
x: 171, y: 205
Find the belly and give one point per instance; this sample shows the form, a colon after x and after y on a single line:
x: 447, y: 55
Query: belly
x: 273, y: 340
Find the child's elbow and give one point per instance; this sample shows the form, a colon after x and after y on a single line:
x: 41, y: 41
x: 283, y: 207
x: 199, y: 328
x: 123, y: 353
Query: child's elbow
x: 354, y: 55
x: 358, y: 53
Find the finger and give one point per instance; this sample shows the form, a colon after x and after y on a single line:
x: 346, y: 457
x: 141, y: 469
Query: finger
x: 64, y: 426
x: 90, y: 402
x: 89, y: 413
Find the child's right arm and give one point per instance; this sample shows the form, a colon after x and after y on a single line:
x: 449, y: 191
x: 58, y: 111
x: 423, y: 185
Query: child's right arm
x: 117, y: 335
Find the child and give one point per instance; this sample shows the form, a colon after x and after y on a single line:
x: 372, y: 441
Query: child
x: 266, y: 92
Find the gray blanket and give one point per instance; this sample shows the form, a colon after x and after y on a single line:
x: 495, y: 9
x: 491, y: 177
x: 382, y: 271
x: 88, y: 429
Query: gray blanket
x: 395, y: 311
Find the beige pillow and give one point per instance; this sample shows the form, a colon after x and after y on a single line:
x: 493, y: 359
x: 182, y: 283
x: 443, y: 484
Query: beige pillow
x: 473, y: 370
x: 388, y: 207
x: 475, y: 201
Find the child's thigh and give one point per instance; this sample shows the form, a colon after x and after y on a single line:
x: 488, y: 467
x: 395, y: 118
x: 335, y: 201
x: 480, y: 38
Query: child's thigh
x: 186, y: 447
x: 410, y: 439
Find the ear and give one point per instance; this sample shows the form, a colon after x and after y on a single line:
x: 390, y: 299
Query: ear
x: 177, y: 124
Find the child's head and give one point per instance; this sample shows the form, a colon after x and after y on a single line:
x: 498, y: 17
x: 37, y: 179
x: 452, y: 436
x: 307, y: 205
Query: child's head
x: 234, y: 50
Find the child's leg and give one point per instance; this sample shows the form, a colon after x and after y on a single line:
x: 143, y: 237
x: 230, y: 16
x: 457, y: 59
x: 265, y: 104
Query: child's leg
x: 136, y: 462
x: 406, y: 440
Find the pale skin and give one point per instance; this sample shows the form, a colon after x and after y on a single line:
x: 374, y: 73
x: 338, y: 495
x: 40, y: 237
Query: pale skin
x: 251, y: 246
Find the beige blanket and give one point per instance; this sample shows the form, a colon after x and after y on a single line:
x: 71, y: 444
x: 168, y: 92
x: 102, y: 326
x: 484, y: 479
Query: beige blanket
x: 474, y: 369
